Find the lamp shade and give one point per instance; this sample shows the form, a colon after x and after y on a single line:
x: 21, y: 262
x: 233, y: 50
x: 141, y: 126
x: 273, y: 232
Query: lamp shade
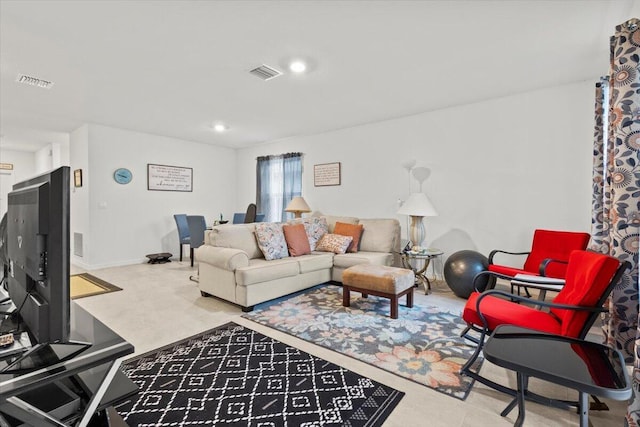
x: 297, y: 205
x: 418, y: 204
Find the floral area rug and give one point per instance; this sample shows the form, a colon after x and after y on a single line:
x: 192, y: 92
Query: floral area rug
x: 423, y: 344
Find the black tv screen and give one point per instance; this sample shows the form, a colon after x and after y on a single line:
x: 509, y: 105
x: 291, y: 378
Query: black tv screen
x: 37, y: 244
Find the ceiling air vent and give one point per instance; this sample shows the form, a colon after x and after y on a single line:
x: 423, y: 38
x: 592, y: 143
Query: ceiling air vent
x: 34, y: 81
x: 265, y: 72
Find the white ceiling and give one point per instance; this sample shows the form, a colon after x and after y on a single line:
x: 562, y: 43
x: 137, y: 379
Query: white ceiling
x: 174, y: 67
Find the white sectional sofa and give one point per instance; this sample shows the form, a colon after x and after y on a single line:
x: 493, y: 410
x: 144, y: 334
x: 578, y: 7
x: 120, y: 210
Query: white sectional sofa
x: 232, y: 266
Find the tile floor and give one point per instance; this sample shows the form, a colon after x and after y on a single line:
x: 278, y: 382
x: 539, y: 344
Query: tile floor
x: 160, y: 305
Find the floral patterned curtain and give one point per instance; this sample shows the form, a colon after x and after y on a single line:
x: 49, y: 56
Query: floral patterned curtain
x: 616, y: 192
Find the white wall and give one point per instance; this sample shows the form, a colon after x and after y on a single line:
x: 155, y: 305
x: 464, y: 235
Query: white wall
x: 499, y: 168
x: 126, y: 222
x: 44, y: 159
x: 23, y: 168
x: 79, y: 221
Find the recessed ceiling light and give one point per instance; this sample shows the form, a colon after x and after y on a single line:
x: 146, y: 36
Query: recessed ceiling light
x: 298, y: 67
x: 219, y: 127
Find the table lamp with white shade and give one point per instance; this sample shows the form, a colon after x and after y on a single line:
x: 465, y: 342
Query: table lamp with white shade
x: 298, y: 206
x: 417, y: 206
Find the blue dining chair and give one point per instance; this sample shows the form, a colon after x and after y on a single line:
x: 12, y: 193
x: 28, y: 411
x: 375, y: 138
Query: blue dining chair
x: 197, y: 225
x: 183, y: 231
x: 238, y: 218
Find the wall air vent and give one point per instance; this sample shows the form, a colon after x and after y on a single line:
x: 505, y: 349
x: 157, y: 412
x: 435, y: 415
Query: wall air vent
x: 34, y: 81
x: 265, y: 72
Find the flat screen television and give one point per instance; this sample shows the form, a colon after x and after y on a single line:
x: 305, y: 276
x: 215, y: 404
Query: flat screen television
x: 37, y: 254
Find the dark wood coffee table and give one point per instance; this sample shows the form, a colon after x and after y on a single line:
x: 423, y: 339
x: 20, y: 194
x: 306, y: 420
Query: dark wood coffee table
x: 588, y: 367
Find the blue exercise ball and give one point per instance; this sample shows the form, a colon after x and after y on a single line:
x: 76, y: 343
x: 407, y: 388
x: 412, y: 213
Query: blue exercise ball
x: 460, y: 269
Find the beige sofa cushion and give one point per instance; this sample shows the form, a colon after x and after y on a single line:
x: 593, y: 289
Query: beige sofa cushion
x: 261, y: 270
x: 351, y: 259
x: 237, y: 236
x: 379, y: 235
x: 309, y: 263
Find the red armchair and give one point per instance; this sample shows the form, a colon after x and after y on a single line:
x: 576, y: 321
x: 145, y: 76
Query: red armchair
x: 548, y: 256
x: 589, y: 279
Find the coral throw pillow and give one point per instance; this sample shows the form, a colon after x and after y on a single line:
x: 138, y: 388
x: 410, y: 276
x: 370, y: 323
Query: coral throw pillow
x: 334, y: 243
x: 316, y: 227
x: 353, y: 230
x: 271, y: 240
x: 297, y: 240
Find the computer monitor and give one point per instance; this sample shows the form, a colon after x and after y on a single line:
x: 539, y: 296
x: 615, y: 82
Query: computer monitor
x: 37, y: 254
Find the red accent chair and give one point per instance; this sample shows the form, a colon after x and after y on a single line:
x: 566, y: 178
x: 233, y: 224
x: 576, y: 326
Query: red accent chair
x: 548, y: 256
x: 590, y: 278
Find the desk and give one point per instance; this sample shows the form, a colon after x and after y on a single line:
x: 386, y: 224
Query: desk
x: 419, y: 262
x: 588, y: 367
x: 93, y: 374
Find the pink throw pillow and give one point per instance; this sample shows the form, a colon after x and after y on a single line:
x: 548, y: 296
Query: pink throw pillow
x: 296, y: 238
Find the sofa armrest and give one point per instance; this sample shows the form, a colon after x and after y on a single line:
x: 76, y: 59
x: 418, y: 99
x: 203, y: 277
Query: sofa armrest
x: 225, y: 258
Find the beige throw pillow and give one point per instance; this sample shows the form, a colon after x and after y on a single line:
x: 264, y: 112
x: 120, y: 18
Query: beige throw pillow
x: 334, y: 243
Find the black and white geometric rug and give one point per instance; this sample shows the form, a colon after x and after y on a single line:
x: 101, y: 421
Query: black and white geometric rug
x: 232, y: 375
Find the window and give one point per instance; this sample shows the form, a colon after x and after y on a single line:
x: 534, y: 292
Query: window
x: 279, y: 179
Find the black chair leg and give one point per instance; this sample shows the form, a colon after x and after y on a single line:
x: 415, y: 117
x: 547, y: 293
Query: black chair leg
x: 180, y: 252
x: 467, y: 366
x: 191, y: 255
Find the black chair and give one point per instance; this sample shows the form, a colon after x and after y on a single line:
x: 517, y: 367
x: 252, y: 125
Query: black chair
x: 197, y: 225
x: 250, y: 216
x: 183, y: 230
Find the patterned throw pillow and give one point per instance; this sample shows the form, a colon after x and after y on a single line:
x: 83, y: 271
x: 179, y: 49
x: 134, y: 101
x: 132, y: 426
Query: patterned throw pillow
x: 315, y: 227
x: 353, y: 230
x: 296, y: 238
x: 334, y: 243
x: 271, y: 240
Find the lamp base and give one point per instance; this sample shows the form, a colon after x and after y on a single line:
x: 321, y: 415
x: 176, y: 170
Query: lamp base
x: 417, y: 230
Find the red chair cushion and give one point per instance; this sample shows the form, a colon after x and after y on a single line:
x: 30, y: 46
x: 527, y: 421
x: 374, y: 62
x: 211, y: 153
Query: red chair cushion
x: 588, y: 276
x: 557, y: 245
x: 498, y: 311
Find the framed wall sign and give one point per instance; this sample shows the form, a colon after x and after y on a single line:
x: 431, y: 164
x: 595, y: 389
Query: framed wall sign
x: 77, y: 178
x: 169, y: 178
x: 326, y: 174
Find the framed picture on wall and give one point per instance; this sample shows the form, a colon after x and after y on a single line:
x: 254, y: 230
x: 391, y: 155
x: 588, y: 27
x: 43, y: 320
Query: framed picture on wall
x: 77, y: 178
x: 169, y: 178
x: 326, y: 174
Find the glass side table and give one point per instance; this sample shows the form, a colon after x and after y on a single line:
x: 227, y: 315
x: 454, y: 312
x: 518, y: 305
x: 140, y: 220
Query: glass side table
x: 419, y: 263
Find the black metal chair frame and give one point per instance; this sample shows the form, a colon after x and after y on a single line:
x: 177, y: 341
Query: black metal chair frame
x: 542, y: 270
x: 594, y: 310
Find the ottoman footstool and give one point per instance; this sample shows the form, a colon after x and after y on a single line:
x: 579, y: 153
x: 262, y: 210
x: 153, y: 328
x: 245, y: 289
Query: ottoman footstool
x: 379, y: 280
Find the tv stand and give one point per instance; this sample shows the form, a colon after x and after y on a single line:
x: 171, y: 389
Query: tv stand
x: 43, y: 355
x: 92, y: 374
